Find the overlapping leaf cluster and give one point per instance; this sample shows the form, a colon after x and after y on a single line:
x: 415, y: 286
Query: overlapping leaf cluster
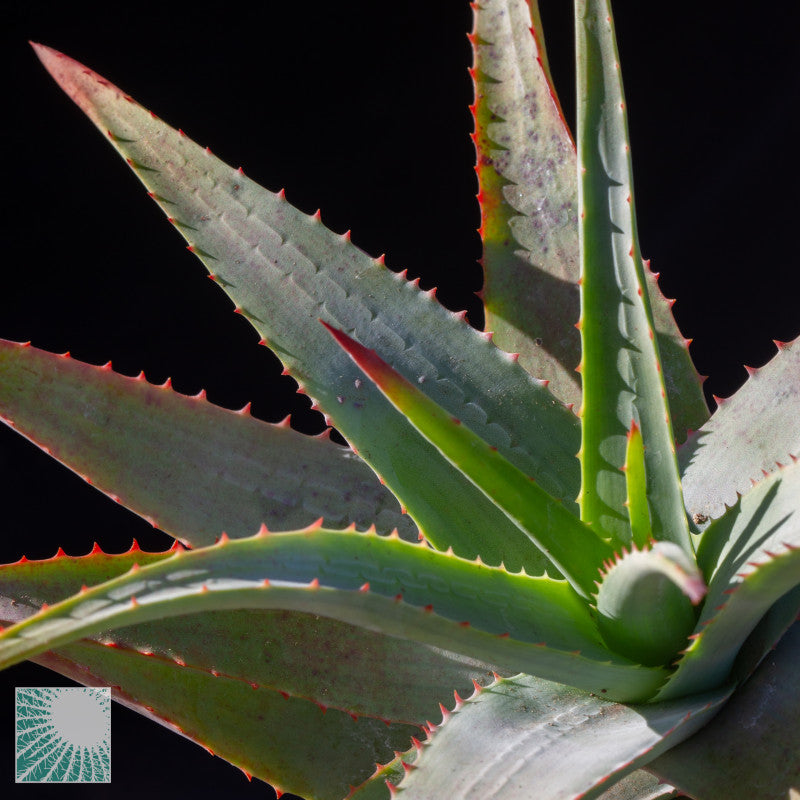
x: 511, y: 543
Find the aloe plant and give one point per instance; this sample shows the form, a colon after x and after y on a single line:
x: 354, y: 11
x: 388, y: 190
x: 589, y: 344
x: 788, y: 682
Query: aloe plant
x: 504, y: 552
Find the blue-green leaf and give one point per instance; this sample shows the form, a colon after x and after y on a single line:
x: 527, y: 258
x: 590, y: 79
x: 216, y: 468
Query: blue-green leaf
x: 283, y: 270
x: 383, y: 584
x: 523, y: 737
x: 620, y: 363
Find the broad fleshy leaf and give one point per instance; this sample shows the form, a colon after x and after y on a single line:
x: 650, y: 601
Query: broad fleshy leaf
x: 528, y: 197
x: 767, y: 634
x: 540, y: 739
x: 636, y: 785
x: 570, y: 545
x: 293, y: 743
x: 352, y: 666
x: 751, y: 433
x: 252, y: 666
x: 529, y: 205
x: 283, y: 270
x: 751, y: 558
x: 379, y: 583
x: 193, y: 469
x: 620, y: 366
x: 748, y: 751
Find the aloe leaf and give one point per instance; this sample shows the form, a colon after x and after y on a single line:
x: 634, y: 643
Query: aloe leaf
x: 353, y: 667
x: 571, y: 546
x: 283, y: 270
x: 293, y: 743
x: 546, y: 740
x: 751, y: 432
x: 767, y: 634
x: 747, y: 750
x: 529, y: 205
x: 763, y: 520
x: 637, y: 785
x: 193, y: 469
x: 379, y: 583
x: 620, y: 367
x: 636, y: 482
x: 528, y: 195
x: 751, y: 557
x: 645, y: 602
x: 316, y: 680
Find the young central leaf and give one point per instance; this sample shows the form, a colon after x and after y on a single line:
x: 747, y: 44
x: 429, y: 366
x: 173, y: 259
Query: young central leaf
x: 636, y: 480
x: 645, y: 603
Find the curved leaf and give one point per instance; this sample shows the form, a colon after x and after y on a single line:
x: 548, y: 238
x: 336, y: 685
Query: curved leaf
x: 636, y: 785
x: 645, y: 599
x: 193, y: 469
x: 386, y: 585
x: 334, y: 695
x: 520, y: 734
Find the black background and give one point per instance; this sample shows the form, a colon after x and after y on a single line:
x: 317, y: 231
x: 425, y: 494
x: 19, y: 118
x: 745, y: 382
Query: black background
x: 359, y: 109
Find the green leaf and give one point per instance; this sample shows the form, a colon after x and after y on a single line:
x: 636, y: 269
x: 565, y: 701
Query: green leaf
x: 748, y: 751
x: 382, y: 584
x: 352, y: 666
x: 191, y: 468
x: 312, y: 676
x: 751, y: 557
x: 525, y: 737
x: 571, y: 546
x: 637, y: 785
x: 293, y: 743
x: 529, y: 205
x: 620, y: 366
x: 762, y: 521
x: 766, y: 635
x: 528, y: 196
x: 283, y: 270
x: 645, y: 602
x: 684, y: 385
x: 636, y: 482
x: 751, y: 432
